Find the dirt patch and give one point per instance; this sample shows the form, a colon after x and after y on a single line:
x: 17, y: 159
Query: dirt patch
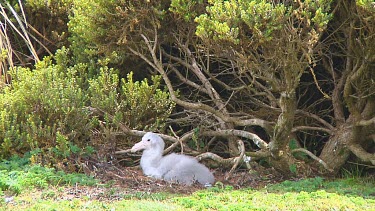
x: 130, y: 180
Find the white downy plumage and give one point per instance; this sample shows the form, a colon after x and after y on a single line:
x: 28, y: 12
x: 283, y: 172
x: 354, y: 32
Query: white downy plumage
x: 173, y: 167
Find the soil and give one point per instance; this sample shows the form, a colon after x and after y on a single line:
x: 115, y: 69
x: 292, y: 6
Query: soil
x: 119, y: 181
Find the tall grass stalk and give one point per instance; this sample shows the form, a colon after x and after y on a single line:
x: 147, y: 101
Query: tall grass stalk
x: 12, y: 22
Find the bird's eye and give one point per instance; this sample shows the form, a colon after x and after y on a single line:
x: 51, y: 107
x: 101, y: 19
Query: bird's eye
x: 148, y: 139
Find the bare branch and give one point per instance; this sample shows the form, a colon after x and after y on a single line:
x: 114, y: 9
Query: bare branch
x: 209, y: 155
x: 366, y: 122
x: 185, y: 80
x: 362, y: 154
x: 241, y: 148
x: 324, y: 164
x: 316, y: 117
x: 221, y: 114
x: 244, y: 134
x: 298, y: 128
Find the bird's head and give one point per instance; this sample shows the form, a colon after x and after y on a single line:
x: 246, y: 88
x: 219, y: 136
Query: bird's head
x: 150, y: 141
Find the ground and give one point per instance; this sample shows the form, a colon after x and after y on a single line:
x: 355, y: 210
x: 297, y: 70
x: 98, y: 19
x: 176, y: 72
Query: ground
x: 119, y: 182
x: 130, y: 180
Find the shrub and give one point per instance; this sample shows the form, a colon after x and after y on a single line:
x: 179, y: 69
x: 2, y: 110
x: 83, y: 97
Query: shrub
x: 46, y: 110
x: 136, y: 103
x: 42, y: 107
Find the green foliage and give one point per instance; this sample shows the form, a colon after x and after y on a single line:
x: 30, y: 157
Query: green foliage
x: 41, y: 109
x: 324, y: 195
x: 148, y: 196
x: 46, y: 110
x: 186, y: 8
x: 258, y: 20
x: 364, y: 187
x: 293, y: 144
x: 223, y: 19
x: 53, y: 5
x: 368, y: 4
x: 100, y: 29
x: 307, y: 185
x: 293, y: 169
x: 138, y: 104
x: 262, y: 200
x: 307, y: 194
x: 17, y: 175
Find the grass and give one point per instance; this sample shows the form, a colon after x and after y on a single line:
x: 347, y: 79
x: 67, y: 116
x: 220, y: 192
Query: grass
x: 264, y: 200
x: 32, y: 187
x: 24, y: 203
x: 17, y: 176
x: 308, y: 194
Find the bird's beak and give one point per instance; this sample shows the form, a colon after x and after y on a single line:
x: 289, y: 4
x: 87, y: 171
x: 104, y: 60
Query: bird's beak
x: 138, y: 146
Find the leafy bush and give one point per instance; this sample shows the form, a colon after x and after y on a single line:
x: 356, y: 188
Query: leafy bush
x: 102, y: 29
x: 47, y: 109
x: 136, y: 103
x: 44, y: 108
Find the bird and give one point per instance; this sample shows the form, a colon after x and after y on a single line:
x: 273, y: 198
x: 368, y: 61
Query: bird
x: 173, y: 167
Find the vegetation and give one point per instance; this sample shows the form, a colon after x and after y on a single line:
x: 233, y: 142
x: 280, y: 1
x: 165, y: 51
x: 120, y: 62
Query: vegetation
x: 253, y: 76
x: 286, y: 84
x: 50, y: 109
x: 310, y: 194
x: 18, y: 176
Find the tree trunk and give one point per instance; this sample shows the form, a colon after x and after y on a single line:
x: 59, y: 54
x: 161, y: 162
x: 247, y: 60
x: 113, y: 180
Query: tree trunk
x: 281, y: 158
x: 335, y: 152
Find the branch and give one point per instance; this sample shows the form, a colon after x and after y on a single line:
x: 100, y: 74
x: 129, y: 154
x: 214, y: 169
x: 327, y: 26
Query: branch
x: 252, y: 122
x: 316, y: 117
x: 244, y: 134
x: 187, y: 81
x: 358, y: 151
x: 324, y: 164
x: 241, y: 148
x: 366, y: 122
x: 298, y: 128
x: 221, y: 114
x: 209, y: 155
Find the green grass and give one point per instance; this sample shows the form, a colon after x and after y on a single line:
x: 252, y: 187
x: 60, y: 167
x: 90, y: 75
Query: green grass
x: 270, y: 198
x: 33, y: 187
x: 17, y: 176
x: 308, y: 194
x: 363, y: 187
x: 80, y: 204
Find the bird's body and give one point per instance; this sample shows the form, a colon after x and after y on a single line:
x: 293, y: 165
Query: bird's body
x: 173, y: 167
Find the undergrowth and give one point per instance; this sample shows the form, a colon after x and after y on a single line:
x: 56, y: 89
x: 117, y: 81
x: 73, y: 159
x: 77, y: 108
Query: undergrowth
x: 307, y: 194
x: 18, y: 175
x: 364, y: 187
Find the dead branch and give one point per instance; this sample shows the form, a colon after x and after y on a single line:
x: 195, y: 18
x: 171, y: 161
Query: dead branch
x: 225, y: 162
x: 324, y: 164
x: 358, y: 151
x: 241, y: 148
x: 316, y: 117
x: 241, y: 133
x: 366, y: 122
x: 298, y: 128
x: 222, y: 116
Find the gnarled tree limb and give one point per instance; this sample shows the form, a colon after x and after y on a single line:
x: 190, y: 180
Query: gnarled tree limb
x: 324, y: 164
x: 362, y: 154
x: 238, y: 159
